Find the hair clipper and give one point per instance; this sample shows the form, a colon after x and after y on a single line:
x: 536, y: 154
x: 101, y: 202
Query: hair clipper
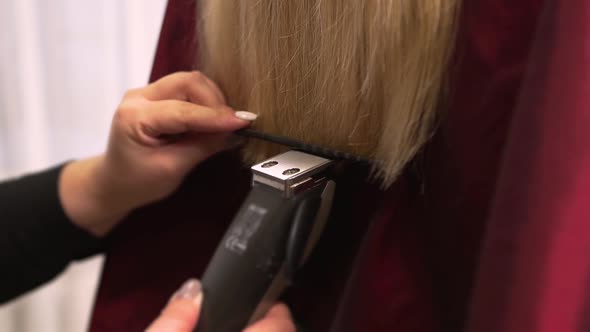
x: 271, y: 236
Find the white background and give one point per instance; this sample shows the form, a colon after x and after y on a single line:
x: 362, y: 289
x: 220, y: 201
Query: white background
x: 64, y: 66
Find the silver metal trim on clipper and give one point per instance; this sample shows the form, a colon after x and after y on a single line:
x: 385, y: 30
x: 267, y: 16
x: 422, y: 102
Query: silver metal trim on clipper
x: 290, y: 172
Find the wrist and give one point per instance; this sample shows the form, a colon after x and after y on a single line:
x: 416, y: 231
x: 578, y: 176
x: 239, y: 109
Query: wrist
x: 89, y: 196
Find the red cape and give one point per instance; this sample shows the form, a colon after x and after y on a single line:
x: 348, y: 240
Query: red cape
x: 488, y: 228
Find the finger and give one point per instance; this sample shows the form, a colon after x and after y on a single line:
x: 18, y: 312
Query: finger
x: 215, y: 88
x: 170, y: 117
x: 279, y: 310
x: 278, y: 319
x: 182, y: 312
x: 194, y: 87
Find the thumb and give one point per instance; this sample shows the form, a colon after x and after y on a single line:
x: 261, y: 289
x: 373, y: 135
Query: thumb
x: 182, y: 311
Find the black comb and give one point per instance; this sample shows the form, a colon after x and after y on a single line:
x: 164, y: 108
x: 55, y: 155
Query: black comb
x: 303, y: 147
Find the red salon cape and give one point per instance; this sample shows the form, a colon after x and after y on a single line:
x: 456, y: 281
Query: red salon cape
x: 487, y: 230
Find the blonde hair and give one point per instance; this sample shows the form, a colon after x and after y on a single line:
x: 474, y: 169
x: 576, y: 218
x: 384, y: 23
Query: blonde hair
x: 361, y: 76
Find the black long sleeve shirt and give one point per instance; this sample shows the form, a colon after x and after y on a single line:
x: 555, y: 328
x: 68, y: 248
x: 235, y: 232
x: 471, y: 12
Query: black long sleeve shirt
x: 37, y: 240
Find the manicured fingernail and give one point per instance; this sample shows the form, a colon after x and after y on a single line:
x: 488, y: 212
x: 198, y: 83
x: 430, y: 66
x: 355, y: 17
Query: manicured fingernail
x: 248, y: 116
x: 190, y: 290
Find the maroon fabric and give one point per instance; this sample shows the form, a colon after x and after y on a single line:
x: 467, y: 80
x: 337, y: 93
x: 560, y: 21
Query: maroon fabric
x: 416, y: 268
x: 462, y: 163
x: 535, y: 268
x: 177, y: 48
x: 433, y: 238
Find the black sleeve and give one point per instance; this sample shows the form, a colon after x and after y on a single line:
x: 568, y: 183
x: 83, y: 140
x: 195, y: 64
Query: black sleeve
x: 37, y: 241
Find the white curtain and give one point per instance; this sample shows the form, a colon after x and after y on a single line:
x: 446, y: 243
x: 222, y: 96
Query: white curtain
x: 64, y: 66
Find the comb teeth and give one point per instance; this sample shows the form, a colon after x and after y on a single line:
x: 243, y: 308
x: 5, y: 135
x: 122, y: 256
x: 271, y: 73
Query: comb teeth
x: 303, y: 147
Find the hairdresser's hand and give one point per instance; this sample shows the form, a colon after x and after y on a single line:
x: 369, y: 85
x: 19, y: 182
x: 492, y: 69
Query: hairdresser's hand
x: 158, y: 134
x: 182, y: 314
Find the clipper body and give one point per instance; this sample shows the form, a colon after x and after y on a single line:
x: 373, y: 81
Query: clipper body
x: 272, y: 234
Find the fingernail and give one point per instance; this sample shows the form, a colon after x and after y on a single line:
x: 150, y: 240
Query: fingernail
x: 245, y: 115
x: 190, y: 290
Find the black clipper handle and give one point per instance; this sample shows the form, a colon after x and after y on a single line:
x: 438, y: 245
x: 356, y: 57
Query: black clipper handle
x: 257, y: 257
